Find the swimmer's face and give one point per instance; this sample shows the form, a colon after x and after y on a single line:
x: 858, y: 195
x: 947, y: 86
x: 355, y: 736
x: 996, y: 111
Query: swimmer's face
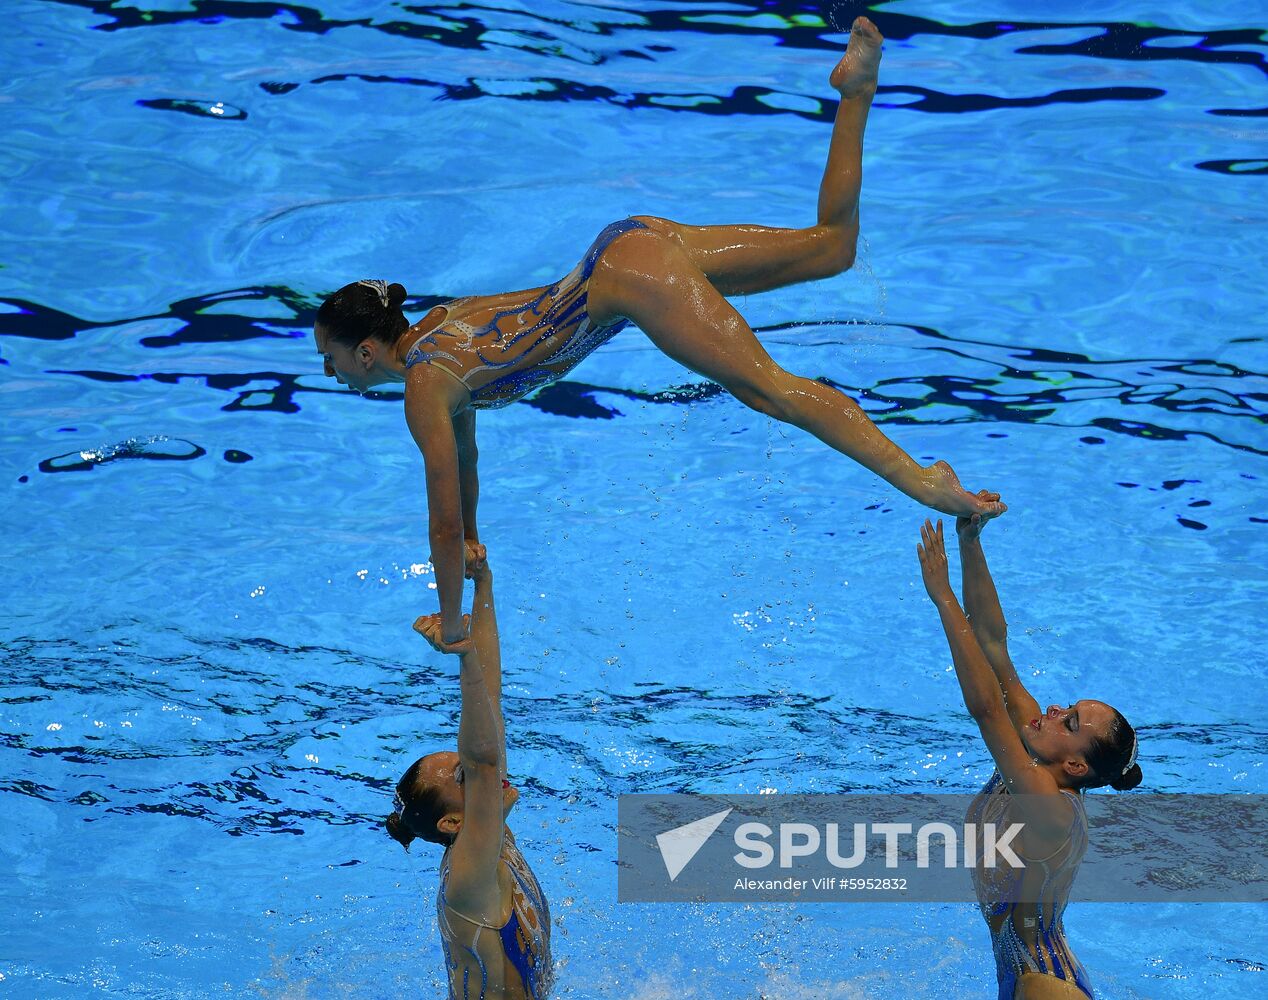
x: 1065, y: 735
x: 346, y: 365
x: 442, y: 772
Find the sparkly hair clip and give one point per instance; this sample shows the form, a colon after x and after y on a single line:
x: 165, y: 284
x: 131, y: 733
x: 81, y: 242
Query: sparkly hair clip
x: 380, y: 288
x: 1131, y: 758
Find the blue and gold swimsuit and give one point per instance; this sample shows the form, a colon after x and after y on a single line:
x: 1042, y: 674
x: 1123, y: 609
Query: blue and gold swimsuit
x: 472, y: 969
x: 502, y: 352
x: 1023, y: 907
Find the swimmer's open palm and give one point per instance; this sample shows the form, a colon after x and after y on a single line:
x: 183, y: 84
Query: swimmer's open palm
x: 431, y: 628
x: 933, y: 561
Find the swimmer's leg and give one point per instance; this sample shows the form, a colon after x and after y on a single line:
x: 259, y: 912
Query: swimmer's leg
x: 652, y: 280
x: 741, y: 260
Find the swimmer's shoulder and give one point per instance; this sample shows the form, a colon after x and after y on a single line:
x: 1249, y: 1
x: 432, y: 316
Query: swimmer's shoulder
x: 436, y: 382
x: 430, y: 388
x: 434, y: 319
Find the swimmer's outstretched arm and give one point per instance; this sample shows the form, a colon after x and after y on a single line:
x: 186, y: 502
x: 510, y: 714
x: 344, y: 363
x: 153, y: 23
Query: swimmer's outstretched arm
x: 468, y: 478
x: 982, y: 695
x: 431, y: 400
x: 473, y: 886
x: 487, y: 643
x: 986, y: 616
x: 1046, y: 812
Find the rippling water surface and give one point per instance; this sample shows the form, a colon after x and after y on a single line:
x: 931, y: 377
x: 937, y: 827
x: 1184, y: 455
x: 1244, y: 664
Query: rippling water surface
x: 213, y: 556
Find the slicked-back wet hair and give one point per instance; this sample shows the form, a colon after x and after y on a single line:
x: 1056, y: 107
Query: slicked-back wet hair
x: 425, y: 806
x: 1107, y: 757
x: 357, y: 312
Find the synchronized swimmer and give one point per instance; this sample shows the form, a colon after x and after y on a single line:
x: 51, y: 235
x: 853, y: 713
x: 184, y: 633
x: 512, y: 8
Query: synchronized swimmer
x: 671, y: 280
x: 1043, y: 763
x: 493, y: 918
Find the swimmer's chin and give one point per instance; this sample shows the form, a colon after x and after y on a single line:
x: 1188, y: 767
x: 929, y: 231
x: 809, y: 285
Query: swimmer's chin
x: 381, y: 382
x: 367, y: 391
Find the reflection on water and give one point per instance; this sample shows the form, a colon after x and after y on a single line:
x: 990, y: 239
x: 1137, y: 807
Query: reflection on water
x: 1179, y: 398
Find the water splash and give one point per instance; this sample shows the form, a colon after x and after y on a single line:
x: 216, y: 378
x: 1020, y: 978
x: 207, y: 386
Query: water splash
x: 157, y: 447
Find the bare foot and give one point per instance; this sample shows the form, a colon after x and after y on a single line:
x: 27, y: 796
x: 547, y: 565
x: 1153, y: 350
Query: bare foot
x: 948, y: 496
x: 855, y: 74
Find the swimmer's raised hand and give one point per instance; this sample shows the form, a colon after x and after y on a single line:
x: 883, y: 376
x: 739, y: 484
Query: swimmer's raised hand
x: 431, y: 628
x: 970, y: 528
x: 933, y: 562
x: 477, y: 559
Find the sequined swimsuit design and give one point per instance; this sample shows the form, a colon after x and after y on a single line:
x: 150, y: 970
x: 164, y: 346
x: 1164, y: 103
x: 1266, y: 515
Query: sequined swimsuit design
x: 525, y: 936
x: 1001, y: 891
x: 532, y: 343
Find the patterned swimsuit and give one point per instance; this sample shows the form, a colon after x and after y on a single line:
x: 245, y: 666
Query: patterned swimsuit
x: 527, y: 345
x: 1031, y: 901
x: 525, y: 936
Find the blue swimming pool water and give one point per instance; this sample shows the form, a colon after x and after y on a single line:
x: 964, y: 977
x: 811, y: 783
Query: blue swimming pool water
x: 213, y: 556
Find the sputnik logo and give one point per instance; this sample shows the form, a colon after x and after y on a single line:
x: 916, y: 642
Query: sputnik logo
x: 679, y: 845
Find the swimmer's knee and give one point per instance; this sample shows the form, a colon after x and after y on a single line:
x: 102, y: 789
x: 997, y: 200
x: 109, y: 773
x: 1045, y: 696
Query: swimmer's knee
x: 846, y: 251
x: 833, y: 252
x: 757, y: 400
x: 768, y: 394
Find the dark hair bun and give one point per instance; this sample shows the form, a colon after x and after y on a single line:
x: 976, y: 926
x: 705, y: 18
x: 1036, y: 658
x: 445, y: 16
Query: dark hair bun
x: 1128, y: 781
x: 395, y: 294
x: 395, y: 828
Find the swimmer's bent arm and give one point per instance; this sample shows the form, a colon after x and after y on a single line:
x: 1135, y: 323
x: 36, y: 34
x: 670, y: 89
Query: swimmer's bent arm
x: 429, y: 415
x: 985, y: 614
x: 473, y: 886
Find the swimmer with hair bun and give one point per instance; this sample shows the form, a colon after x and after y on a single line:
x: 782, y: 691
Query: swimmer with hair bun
x: 493, y: 917
x: 672, y: 281
x: 1044, y: 762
